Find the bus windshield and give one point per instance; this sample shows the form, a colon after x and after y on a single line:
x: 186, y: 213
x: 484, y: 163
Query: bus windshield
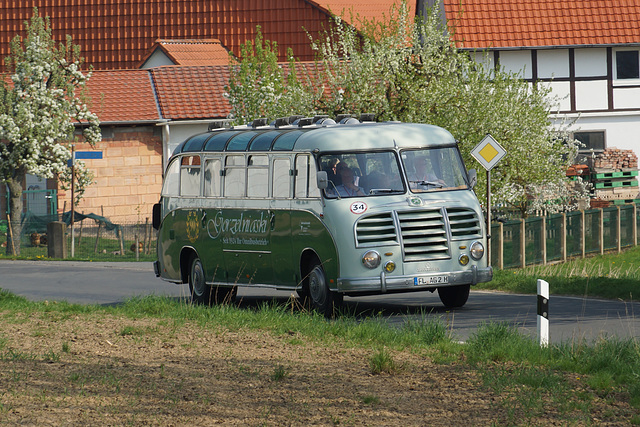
x: 362, y: 174
x: 434, y: 169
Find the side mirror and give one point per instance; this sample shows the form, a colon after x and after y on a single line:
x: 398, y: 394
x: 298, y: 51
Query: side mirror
x: 473, y: 177
x: 156, y: 216
x: 322, y: 179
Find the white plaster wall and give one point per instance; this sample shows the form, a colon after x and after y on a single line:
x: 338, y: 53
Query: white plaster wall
x: 591, y: 95
x: 626, y: 97
x: 515, y: 61
x: 591, y: 62
x: 553, y: 63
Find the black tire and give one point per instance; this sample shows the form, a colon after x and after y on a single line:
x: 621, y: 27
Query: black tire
x: 454, y: 296
x: 322, y: 299
x: 201, y: 293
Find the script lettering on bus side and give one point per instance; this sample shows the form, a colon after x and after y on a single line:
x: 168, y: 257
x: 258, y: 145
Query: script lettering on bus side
x: 241, y: 224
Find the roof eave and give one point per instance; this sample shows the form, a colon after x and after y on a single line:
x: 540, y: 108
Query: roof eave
x: 549, y: 47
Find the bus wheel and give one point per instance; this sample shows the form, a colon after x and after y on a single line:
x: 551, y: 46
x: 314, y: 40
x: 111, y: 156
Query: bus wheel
x: 454, y: 296
x: 200, y: 292
x: 322, y: 299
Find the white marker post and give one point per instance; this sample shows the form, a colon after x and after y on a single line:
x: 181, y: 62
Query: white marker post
x: 543, y: 312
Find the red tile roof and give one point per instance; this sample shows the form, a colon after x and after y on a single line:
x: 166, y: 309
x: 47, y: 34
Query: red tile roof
x: 122, y: 96
x: 118, y: 34
x: 192, y: 52
x: 538, y: 23
x: 372, y: 10
x: 191, y: 92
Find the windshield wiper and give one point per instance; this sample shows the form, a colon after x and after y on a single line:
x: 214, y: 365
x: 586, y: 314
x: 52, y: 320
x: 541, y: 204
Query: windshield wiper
x: 384, y: 190
x: 434, y: 183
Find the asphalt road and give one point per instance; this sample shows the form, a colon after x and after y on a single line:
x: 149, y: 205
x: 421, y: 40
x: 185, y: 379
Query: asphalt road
x: 571, y: 318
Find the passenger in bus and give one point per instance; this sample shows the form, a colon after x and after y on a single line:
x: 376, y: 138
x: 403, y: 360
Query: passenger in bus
x: 348, y: 188
x: 332, y: 171
x: 423, y: 177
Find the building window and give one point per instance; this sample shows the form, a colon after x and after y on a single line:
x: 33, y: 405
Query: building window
x: 592, y: 142
x: 627, y: 64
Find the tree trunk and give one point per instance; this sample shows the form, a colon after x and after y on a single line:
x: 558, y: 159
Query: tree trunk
x: 15, y: 185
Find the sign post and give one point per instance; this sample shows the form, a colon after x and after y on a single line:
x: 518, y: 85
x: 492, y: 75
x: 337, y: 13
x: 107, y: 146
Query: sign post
x: 488, y: 153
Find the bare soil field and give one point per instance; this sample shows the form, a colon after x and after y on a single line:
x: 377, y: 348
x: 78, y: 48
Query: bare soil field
x: 99, y: 369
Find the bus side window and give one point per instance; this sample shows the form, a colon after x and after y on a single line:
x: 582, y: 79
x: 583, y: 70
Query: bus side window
x: 234, y: 176
x: 306, y: 177
x: 282, y: 178
x: 314, y: 191
x: 190, y: 176
x: 212, y: 177
x: 171, y: 185
x: 258, y: 176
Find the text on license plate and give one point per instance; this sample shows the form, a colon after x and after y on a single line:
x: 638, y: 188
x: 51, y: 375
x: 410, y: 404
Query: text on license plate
x: 431, y: 280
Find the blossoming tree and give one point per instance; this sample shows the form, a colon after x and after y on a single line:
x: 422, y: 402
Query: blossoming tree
x: 39, y: 108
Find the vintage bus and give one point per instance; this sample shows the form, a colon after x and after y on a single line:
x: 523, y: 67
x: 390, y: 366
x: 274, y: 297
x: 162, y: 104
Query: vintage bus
x: 324, y: 207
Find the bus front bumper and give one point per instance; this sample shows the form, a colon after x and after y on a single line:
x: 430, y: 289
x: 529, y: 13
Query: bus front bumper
x: 385, y: 283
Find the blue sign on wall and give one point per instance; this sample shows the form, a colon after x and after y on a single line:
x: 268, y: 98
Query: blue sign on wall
x: 88, y: 155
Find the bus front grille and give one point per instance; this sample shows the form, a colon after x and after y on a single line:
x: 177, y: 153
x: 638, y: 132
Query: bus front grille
x: 464, y: 224
x: 424, y: 235
x: 376, y: 230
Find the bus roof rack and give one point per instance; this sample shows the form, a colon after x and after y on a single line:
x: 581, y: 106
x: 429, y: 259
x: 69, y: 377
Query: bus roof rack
x: 218, y: 124
x: 260, y: 122
x: 319, y: 118
x: 367, y: 117
x: 305, y: 121
x: 292, y: 119
x: 282, y: 121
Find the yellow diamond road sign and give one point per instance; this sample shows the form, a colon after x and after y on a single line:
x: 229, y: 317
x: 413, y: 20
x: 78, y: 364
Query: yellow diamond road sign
x: 488, y: 152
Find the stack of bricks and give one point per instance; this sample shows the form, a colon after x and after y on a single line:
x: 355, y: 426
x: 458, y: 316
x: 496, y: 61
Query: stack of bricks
x: 615, y: 178
x: 614, y: 159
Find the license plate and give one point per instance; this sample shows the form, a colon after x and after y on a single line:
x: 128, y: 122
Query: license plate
x: 431, y: 280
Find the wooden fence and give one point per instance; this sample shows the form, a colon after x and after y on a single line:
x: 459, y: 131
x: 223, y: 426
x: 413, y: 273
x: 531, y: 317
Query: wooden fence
x: 554, y: 238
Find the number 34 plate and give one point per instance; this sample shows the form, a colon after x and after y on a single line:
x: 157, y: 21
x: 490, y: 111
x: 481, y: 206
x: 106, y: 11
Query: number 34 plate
x: 431, y: 280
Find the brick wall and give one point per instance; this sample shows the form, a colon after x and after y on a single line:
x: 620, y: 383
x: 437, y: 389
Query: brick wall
x: 128, y: 178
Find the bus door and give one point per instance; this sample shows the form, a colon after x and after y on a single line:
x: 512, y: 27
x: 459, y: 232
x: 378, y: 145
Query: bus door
x: 284, y: 271
x: 210, y: 243
x: 244, y: 225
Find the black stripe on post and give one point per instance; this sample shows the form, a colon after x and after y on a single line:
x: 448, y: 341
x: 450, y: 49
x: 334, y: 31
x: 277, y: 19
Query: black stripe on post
x: 543, y: 306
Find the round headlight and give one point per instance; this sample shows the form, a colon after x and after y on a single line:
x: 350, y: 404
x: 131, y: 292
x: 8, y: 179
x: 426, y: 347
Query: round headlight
x: 371, y: 259
x: 463, y: 259
x: 389, y: 266
x: 477, y: 250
